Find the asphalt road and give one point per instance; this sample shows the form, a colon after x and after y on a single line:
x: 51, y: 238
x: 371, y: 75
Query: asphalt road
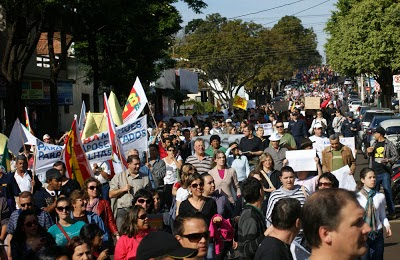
x: 392, y: 244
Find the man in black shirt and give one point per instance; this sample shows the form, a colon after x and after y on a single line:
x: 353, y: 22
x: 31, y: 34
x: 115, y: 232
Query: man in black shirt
x: 251, y: 146
x: 46, y: 198
x: 286, y: 225
x: 68, y: 185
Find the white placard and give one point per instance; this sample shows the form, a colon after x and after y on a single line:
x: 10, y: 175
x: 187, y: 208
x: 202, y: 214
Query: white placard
x: 268, y: 130
x: 301, y: 160
x: 348, y: 141
x: 346, y: 181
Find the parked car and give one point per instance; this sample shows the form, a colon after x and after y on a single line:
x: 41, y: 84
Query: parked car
x: 353, y: 106
x: 392, y: 128
x: 366, y: 120
x: 369, y: 133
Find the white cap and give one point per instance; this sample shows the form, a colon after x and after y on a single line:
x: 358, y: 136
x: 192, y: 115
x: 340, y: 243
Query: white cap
x: 275, y: 137
x: 46, y: 136
x: 318, y: 125
x: 228, y: 120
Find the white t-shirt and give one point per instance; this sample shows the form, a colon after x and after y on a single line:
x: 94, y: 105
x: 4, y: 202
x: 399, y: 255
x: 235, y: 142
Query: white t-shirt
x: 171, y: 175
x: 182, y: 194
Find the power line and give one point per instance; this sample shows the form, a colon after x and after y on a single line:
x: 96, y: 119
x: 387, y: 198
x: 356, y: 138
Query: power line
x: 269, y: 9
x: 302, y: 10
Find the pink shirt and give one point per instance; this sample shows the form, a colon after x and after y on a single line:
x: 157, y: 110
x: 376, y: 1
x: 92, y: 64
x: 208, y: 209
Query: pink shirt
x: 126, y: 247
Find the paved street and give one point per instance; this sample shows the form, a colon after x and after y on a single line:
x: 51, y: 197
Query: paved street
x: 392, y: 244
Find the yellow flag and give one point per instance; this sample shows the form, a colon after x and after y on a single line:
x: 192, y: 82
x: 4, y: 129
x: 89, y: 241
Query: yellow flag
x: 115, y: 109
x: 240, y: 102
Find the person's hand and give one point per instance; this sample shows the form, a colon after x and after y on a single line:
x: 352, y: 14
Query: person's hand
x: 217, y: 220
x: 316, y: 159
x: 384, y: 160
x: 33, y: 182
x: 370, y: 149
x: 235, y: 245
x: 388, y: 232
x: 103, y: 255
x: 127, y: 188
x: 285, y: 162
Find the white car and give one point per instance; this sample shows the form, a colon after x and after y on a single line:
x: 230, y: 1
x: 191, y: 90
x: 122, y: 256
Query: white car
x: 392, y: 128
x: 353, y: 106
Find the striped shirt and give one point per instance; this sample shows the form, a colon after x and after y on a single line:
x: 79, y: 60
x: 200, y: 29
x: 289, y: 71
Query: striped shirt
x: 281, y: 193
x: 202, y: 166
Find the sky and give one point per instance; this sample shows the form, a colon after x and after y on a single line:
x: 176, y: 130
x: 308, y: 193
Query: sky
x: 313, y: 13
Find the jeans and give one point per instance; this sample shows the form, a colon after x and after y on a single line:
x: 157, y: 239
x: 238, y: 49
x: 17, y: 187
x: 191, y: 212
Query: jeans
x: 384, y: 179
x: 375, y: 247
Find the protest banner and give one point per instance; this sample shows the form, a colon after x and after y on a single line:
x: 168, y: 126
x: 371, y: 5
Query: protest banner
x: 251, y: 103
x: 301, y: 160
x: 46, y: 155
x: 312, y: 102
x: 281, y: 106
x: 132, y: 134
x: 268, y: 130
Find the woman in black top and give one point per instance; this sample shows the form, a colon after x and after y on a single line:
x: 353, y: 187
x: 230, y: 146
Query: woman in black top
x: 196, y: 201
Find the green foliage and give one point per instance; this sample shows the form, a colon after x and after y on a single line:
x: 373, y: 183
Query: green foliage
x: 232, y: 53
x: 200, y: 107
x: 365, y: 38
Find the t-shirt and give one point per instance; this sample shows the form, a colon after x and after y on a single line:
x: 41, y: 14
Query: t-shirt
x: 250, y: 145
x: 209, y: 209
x: 72, y: 231
x: 379, y: 152
x: 337, y: 160
x: 69, y: 187
x: 272, y: 248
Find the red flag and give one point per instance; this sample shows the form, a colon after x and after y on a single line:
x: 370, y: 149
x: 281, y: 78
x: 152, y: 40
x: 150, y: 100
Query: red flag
x: 117, y: 152
x: 75, y: 157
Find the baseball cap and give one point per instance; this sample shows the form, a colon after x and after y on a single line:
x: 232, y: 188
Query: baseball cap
x: 160, y: 243
x: 46, y: 136
x: 350, y: 114
x: 318, y: 125
x: 380, y: 130
x: 228, y: 120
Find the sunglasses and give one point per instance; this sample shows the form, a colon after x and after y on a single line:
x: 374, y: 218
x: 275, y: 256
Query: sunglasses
x: 141, y: 201
x: 142, y: 217
x: 66, y: 208
x: 92, y: 188
x: 30, y: 224
x: 325, y: 184
x: 195, y: 185
x: 26, y: 204
x: 197, y: 236
x: 279, y: 126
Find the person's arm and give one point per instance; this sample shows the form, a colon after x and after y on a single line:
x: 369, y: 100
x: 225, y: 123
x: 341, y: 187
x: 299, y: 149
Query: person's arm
x: 246, y: 163
x: 3, y: 233
x: 352, y: 163
x: 236, y: 183
x: 393, y: 154
x: 51, y: 207
x: 382, y: 214
x: 319, y: 168
x: 116, y: 192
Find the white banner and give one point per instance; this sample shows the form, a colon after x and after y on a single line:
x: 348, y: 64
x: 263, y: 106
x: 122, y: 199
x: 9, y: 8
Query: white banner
x: 46, y: 156
x: 132, y: 134
x: 268, y: 130
x: 301, y: 160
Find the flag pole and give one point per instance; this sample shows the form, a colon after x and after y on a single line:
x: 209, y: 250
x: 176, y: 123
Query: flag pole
x: 121, y: 161
x: 152, y: 115
x: 34, y: 167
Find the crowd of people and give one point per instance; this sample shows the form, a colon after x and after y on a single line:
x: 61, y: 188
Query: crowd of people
x: 182, y: 199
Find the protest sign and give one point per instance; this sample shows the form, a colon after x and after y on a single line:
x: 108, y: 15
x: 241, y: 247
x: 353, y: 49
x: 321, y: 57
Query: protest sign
x: 346, y: 181
x: 312, y: 102
x: 132, y: 134
x: 268, y: 130
x: 348, y: 141
x: 251, y: 103
x: 281, y: 106
x: 301, y: 160
x: 239, y: 102
x: 46, y: 155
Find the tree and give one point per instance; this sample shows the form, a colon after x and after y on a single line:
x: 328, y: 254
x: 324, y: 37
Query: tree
x: 364, y: 38
x: 22, y: 30
x: 228, y: 53
x: 233, y: 54
x: 119, y: 40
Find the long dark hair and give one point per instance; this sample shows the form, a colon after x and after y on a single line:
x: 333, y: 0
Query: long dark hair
x: 129, y: 227
x: 19, y: 233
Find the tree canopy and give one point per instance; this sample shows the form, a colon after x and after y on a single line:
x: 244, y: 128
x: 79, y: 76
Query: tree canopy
x: 364, y: 38
x: 232, y: 54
